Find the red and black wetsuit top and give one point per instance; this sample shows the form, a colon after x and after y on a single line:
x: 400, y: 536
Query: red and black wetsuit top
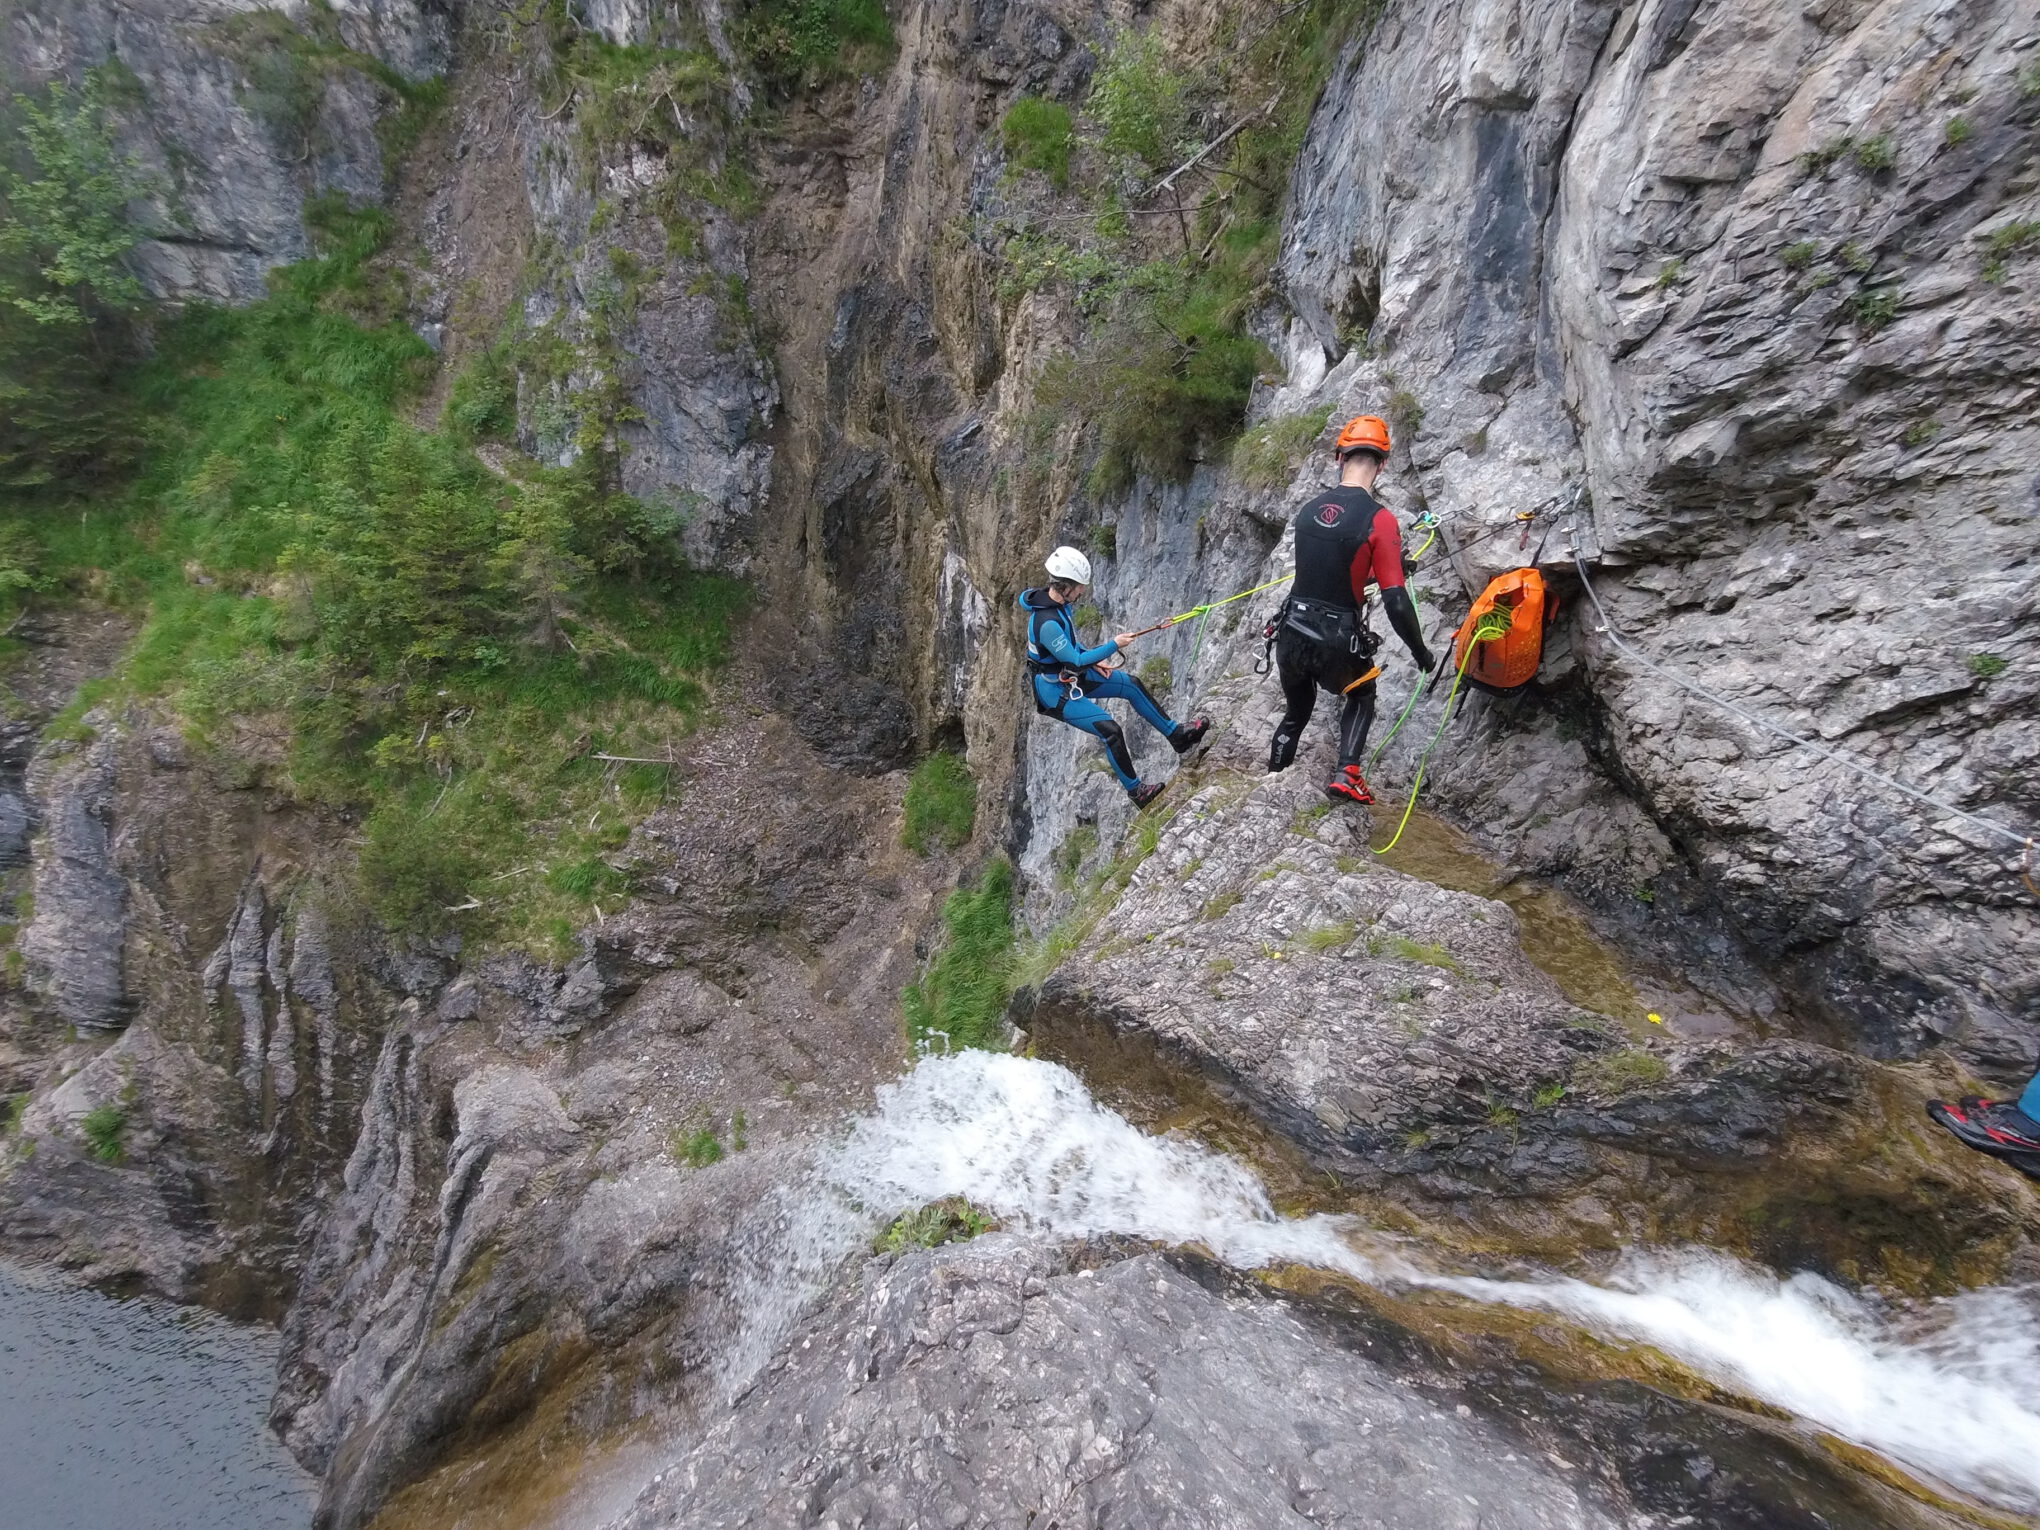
x: 1346, y: 539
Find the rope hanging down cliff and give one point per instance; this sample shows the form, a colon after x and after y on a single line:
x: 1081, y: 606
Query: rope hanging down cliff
x: 1492, y: 625
x: 1636, y: 655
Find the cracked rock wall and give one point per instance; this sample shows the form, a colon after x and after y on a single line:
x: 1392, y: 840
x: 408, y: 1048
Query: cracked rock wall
x: 1742, y: 278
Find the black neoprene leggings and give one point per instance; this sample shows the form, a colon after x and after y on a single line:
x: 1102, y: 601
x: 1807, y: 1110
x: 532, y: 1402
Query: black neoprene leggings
x: 1303, y: 667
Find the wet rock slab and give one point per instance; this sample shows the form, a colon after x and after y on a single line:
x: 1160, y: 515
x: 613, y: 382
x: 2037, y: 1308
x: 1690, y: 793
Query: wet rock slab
x: 992, y: 1385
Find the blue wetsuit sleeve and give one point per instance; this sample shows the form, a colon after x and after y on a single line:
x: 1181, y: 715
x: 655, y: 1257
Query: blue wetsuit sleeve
x: 1056, y: 639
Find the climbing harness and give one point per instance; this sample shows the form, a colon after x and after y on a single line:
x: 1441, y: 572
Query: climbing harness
x: 1335, y: 629
x: 1629, y: 650
x: 1492, y: 625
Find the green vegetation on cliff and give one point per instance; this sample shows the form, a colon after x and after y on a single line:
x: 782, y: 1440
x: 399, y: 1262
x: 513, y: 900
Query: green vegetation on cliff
x: 1037, y: 135
x: 66, y: 295
x: 353, y: 609
x: 1168, y: 276
x: 803, y: 42
x: 960, y: 1000
x: 941, y: 804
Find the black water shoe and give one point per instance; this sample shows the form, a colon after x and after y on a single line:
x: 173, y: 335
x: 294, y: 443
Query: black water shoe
x: 1146, y: 792
x: 1189, y: 735
x: 1996, y: 1127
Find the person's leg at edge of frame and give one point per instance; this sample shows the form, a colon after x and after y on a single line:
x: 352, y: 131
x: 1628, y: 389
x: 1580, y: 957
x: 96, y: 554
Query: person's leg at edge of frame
x: 1355, y: 720
x: 2029, y: 1102
x: 1299, y: 693
x: 1356, y: 717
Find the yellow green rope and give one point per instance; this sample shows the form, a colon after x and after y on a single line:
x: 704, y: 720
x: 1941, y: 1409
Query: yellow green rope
x: 1197, y: 611
x: 1492, y: 624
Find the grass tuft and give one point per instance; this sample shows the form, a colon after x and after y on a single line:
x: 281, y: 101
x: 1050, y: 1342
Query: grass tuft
x: 2012, y: 239
x: 960, y: 1000
x: 941, y: 804
x: 102, y: 1127
x: 953, y: 1220
x: 1270, y: 452
x: 1875, y: 308
x: 1038, y: 135
x: 1619, y: 1073
x: 697, y: 1150
x: 1405, y: 949
x: 1327, y: 937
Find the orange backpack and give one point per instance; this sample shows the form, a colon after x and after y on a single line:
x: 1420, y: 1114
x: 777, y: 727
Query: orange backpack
x: 1505, y: 662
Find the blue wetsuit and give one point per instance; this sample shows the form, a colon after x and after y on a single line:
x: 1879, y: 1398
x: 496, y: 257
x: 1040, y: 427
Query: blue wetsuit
x: 1053, y: 651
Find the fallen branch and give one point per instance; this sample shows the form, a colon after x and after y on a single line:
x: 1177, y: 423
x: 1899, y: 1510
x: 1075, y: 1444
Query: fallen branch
x: 629, y: 759
x: 462, y: 908
x: 1205, y: 153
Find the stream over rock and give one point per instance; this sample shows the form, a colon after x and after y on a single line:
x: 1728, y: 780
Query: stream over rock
x: 1940, y: 1387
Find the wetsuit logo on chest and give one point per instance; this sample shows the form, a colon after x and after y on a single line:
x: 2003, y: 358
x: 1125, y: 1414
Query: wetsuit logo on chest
x: 1330, y: 514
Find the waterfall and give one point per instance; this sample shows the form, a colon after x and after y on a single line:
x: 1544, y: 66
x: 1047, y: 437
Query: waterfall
x: 1947, y: 1388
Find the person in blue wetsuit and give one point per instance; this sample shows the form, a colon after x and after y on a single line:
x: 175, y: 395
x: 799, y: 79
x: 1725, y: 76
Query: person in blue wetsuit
x: 1068, y: 681
x: 2007, y: 1129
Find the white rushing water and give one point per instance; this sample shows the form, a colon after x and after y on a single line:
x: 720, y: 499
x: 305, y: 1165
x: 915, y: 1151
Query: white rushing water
x: 1945, y: 1388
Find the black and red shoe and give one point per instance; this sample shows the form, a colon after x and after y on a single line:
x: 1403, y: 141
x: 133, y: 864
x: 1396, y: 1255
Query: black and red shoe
x: 1189, y: 735
x: 1146, y: 792
x: 1996, y: 1127
x: 1348, y: 786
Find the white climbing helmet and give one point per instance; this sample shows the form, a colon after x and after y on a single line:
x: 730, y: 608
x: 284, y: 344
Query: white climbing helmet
x: 1068, y: 563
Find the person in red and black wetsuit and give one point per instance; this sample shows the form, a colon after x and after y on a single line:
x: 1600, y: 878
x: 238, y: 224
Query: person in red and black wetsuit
x: 1346, y: 539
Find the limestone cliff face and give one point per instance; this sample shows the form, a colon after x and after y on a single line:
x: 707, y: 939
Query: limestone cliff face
x: 240, y: 113
x: 1739, y: 276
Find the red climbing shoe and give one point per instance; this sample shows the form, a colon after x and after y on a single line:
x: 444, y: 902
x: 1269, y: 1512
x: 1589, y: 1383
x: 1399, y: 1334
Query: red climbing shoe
x: 1996, y: 1127
x: 1146, y: 792
x: 1348, y: 786
x: 1188, y: 736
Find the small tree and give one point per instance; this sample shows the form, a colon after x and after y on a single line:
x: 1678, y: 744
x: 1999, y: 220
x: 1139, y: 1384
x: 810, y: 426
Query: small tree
x: 1140, y: 101
x: 65, y: 287
x: 64, y: 230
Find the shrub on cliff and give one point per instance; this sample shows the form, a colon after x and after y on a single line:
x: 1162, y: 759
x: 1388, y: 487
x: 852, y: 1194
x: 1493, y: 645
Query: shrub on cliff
x: 960, y: 1000
x: 1141, y: 100
x: 941, y: 804
x: 66, y: 289
x: 794, y: 43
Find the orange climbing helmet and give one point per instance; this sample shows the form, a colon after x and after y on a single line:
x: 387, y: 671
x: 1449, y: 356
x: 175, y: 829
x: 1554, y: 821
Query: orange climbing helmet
x: 1364, y: 432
